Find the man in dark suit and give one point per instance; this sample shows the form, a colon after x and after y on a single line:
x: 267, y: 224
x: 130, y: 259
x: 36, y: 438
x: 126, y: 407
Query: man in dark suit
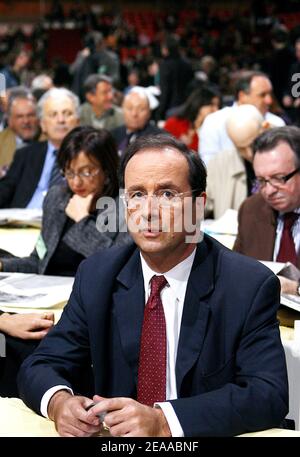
x: 175, y: 74
x: 202, y: 358
x: 264, y: 216
x: 31, y: 172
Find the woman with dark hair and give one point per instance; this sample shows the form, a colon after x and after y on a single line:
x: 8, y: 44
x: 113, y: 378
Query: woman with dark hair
x: 88, y: 159
x: 190, y: 116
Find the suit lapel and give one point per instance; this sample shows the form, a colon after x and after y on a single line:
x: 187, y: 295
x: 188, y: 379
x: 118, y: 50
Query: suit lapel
x: 195, y: 312
x: 128, y: 309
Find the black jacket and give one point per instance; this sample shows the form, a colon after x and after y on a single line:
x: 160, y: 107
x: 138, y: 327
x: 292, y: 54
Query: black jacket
x: 19, y: 184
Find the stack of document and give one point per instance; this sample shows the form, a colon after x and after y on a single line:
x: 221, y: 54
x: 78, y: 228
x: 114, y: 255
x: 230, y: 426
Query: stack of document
x: 19, y: 217
x: 22, y: 290
x: 288, y: 270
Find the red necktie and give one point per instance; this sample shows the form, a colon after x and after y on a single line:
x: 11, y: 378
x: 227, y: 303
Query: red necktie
x: 153, y: 351
x: 287, y: 250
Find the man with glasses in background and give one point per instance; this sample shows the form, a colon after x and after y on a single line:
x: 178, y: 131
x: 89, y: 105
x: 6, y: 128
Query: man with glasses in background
x: 269, y: 222
x: 176, y: 348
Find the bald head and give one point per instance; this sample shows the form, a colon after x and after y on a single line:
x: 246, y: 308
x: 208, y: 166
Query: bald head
x: 243, y: 125
x: 136, y: 110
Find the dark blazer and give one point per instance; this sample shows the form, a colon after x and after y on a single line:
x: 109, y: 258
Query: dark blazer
x: 230, y: 368
x: 18, y: 185
x: 257, y: 229
x: 119, y: 133
x: 175, y: 73
x: 83, y: 237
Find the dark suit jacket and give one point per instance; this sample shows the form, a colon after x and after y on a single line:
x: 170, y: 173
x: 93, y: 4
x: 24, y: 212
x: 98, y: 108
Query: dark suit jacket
x: 83, y: 237
x: 175, y: 73
x: 18, y: 185
x: 257, y: 229
x: 119, y: 133
x: 230, y: 368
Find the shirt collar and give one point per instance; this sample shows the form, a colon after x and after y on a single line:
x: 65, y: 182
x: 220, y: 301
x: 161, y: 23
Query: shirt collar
x: 296, y: 210
x: 51, y: 148
x: 177, y: 277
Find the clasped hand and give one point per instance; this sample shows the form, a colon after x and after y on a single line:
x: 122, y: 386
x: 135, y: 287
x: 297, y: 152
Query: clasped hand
x: 123, y: 417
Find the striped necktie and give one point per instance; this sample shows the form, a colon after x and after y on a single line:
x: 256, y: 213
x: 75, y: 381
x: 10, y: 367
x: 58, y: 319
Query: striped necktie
x: 55, y: 176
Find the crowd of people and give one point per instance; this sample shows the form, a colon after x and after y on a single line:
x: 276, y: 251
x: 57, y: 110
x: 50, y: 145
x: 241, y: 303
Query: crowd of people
x: 179, y: 140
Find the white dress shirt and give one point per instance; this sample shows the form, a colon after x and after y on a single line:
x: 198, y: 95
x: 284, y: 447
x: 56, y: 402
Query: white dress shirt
x: 43, y: 184
x: 172, y: 297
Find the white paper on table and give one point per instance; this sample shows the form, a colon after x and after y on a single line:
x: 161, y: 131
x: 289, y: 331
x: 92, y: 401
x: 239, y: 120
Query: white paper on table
x: 21, y: 290
x: 20, y: 216
x: 226, y: 224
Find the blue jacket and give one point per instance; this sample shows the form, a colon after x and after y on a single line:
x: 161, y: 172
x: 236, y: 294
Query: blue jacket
x: 230, y: 368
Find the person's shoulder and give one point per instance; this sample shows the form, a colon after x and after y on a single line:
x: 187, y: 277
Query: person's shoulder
x: 150, y: 128
x: 253, y: 203
x: 107, y: 259
x: 58, y: 190
x: 85, y: 108
x: 28, y: 153
x: 234, y: 265
x: 7, y: 133
x: 213, y: 118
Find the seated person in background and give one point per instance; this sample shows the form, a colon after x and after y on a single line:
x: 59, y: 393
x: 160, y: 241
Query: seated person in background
x: 137, y: 106
x: 252, y: 88
x: 40, y: 84
x: 269, y: 222
x: 230, y: 173
x: 183, y: 124
x: 23, y: 125
x: 69, y: 234
x: 89, y: 161
x: 34, y: 169
x: 23, y: 333
x: 99, y: 111
x: 205, y: 352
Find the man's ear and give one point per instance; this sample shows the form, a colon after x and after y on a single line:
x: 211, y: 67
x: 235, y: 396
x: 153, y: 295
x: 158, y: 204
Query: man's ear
x: 242, y: 97
x: 204, y: 195
x: 90, y: 97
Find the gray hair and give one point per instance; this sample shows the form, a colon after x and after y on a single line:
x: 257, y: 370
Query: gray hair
x: 91, y: 82
x: 57, y: 92
x: 18, y: 92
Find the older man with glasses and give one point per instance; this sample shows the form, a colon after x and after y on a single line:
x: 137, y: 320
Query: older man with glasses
x: 269, y: 223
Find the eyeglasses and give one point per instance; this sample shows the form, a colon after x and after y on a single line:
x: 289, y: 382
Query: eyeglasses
x: 163, y: 197
x: 85, y: 174
x: 276, y: 181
